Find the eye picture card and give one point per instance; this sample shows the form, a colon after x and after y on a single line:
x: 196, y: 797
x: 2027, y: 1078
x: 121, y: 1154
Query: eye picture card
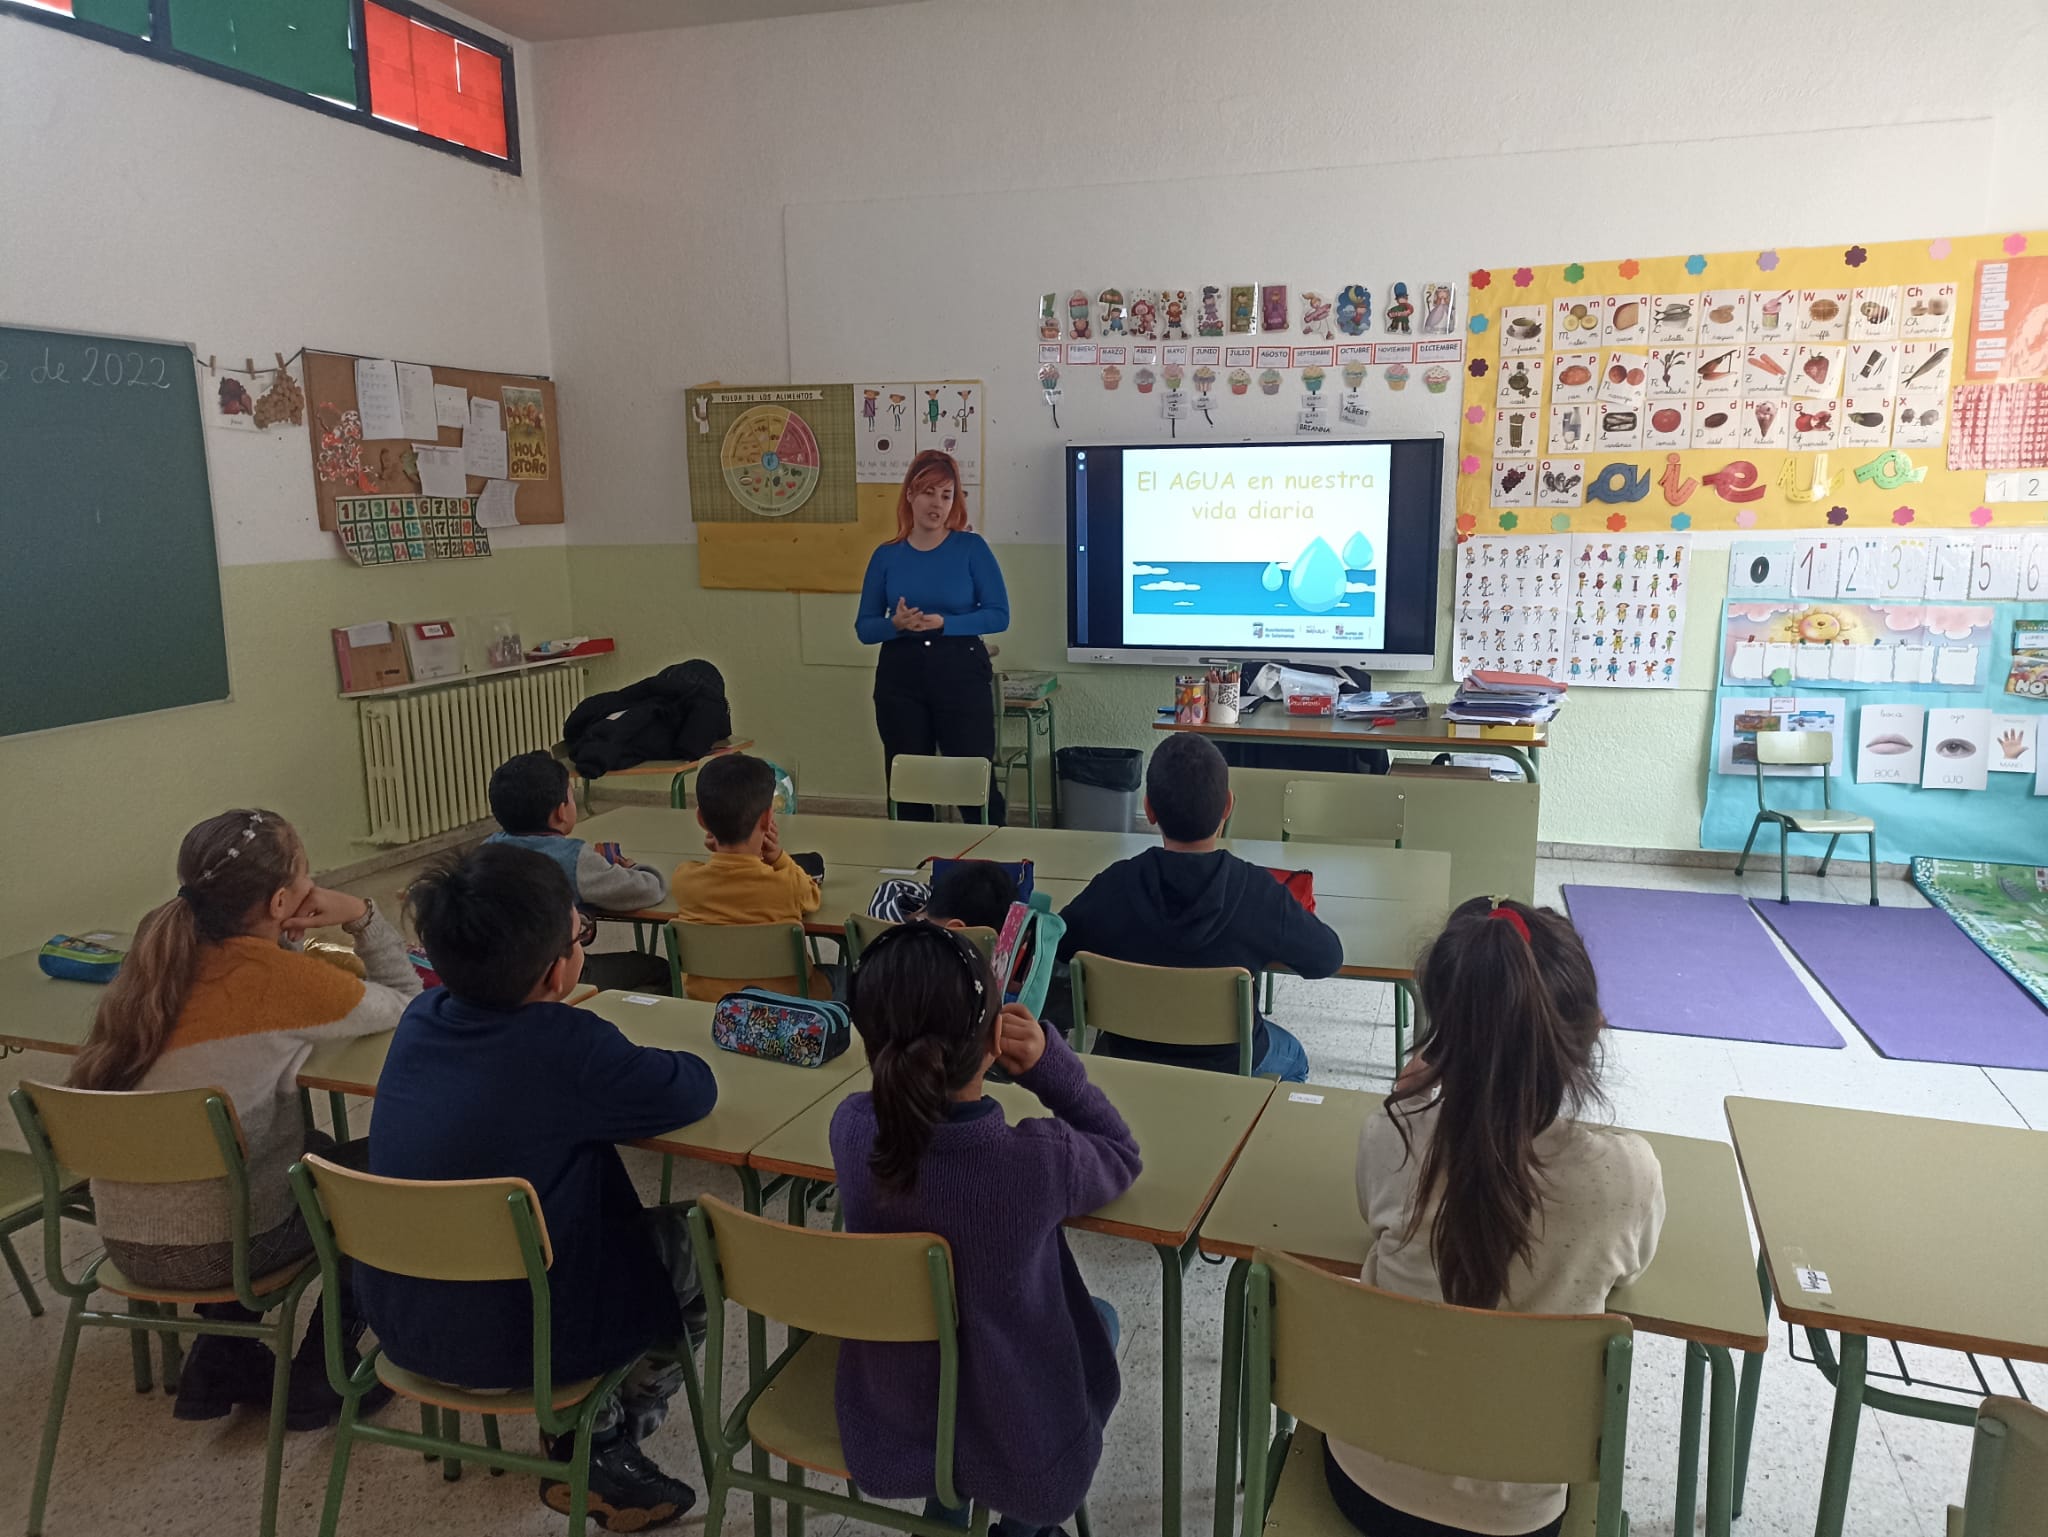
x: 1958, y: 750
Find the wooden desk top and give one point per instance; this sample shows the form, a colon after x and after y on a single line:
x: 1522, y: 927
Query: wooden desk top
x: 754, y: 1097
x: 1341, y: 870
x: 1189, y: 1125
x: 1932, y: 1232
x: 1273, y: 723
x: 674, y: 766
x: 39, y: 1013
x: 1294, y: 1188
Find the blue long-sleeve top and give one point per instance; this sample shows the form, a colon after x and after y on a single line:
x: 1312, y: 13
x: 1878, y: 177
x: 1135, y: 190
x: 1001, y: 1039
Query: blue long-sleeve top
x: 959, y: 581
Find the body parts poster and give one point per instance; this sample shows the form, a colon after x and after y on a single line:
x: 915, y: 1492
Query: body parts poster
x: 1857, y: 645
x: 1818, y: 387
x: 1585, y: 610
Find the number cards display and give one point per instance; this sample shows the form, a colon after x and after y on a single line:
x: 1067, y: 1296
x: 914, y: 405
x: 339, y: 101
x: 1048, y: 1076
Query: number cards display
x: 393, y: 530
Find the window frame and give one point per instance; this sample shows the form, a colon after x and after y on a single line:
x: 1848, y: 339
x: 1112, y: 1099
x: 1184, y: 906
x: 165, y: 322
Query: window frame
x: 161, y: 46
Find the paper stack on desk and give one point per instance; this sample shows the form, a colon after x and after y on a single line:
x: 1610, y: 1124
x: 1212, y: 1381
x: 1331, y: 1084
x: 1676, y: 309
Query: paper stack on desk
x: 1382, y: 704
x: 1518, y: 698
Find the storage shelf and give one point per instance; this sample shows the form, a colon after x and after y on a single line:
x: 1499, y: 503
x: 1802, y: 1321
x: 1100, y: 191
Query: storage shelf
x: 469, y: 677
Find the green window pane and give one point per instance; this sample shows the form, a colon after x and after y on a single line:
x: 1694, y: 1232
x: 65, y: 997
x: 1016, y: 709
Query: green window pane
x: 303, y: 44
x: 130, y: 16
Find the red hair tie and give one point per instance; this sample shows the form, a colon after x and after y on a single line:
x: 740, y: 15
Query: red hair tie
x: 1514, y: 919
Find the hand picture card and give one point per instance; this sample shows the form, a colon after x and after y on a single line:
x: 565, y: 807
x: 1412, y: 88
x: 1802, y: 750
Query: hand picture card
x: 2014, y: 740
x: 1888, y: 744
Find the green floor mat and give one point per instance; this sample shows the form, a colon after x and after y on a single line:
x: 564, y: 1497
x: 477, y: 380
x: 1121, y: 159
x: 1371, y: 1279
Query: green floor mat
x: 2004, y: 908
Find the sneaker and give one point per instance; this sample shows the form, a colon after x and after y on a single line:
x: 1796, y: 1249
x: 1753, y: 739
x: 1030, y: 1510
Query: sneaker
x: 628, y: 1493
x: 220, y: 1371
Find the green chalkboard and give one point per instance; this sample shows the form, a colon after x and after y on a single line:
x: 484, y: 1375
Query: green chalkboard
x: 109, y: 581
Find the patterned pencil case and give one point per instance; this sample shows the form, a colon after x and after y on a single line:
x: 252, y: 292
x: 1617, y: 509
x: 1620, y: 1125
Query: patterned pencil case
x: 776, y: 1027
x: 73, y: 959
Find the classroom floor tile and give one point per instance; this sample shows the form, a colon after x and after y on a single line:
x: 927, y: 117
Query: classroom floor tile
x: 125, y: 1465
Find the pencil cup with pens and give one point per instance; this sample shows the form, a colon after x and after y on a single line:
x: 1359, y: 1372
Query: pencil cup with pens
x: 1205, y: 698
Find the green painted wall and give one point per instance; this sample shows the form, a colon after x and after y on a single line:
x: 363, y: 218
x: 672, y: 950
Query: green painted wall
x: 95, y: 812
x: 1627, y: 769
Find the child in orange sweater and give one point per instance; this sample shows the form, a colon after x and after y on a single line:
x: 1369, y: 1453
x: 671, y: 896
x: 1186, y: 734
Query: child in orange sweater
x: 748, y: 878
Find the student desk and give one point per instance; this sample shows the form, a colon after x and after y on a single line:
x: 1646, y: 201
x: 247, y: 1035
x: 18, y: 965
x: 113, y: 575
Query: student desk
x: 1827, y: 1187
x: 39, y: 1013
x: 1294, y: 1189
x: 679, y: 770
x: 1189, y: 1127
x: 1272, y: 723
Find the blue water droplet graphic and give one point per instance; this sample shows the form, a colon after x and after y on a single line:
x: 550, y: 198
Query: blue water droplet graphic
x: 1271, y: 578
x: 1358, y: 553
x: 1317, y: 581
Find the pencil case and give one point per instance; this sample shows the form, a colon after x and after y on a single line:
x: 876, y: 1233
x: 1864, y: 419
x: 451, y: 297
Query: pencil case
x: 776, y: 1027
x: 71, y: 959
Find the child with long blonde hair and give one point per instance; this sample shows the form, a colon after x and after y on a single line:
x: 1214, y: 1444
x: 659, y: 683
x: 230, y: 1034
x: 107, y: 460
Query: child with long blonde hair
x: 214, y: 993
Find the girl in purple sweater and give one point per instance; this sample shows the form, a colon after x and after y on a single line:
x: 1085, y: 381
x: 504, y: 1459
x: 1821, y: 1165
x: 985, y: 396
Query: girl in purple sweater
x: 924, y: 1152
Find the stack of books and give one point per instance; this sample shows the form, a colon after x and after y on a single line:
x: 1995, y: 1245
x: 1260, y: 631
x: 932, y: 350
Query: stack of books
x: 1510, y: 706
x: 1382, y: 704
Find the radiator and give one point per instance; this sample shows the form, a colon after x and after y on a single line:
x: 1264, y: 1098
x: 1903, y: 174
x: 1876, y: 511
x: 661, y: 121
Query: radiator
x: 428, y: 757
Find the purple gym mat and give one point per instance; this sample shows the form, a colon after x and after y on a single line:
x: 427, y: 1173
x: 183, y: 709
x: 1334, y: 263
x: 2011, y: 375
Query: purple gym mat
x: 1693, y: 963
x: 1914, y: 983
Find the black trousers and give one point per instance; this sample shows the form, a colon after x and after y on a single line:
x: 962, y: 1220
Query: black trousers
x: 936, y: 697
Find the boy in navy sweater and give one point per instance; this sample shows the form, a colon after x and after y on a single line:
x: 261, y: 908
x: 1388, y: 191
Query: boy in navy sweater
x: 490, y: 1076
x: 1189, y: 903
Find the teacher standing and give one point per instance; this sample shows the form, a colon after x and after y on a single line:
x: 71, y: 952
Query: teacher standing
x: 930, y: 594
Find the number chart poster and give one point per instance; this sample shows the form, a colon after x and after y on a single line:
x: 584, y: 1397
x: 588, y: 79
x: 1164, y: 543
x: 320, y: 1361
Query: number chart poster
x: 1889, y: 386
x: 792, y: 487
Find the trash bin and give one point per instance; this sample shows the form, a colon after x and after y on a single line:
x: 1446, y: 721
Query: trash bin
x: 1099, y: 787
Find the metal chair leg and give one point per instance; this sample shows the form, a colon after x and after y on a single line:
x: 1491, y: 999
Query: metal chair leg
x: 1873, y: 869
x: 1742, y: 859
x: 1830, y: 854
x: 1784, y: 862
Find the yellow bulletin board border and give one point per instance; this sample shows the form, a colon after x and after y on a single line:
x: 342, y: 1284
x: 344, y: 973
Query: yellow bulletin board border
x: 1735, y: 487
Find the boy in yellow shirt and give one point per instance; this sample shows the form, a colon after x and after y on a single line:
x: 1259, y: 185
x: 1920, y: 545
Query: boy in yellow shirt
x: 748, y: 878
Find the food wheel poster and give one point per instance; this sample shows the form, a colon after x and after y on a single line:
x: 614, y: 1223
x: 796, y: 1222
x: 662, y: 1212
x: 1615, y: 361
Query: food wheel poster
x: 1901, y: 385
x: 782, y: 454
x: 791, y: 487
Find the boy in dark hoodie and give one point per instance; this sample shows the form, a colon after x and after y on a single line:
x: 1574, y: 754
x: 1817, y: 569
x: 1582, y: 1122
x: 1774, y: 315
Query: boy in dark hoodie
x: 1189, y: 903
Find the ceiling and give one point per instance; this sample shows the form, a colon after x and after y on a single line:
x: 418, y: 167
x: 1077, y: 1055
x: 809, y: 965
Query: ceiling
x: 542, y: 21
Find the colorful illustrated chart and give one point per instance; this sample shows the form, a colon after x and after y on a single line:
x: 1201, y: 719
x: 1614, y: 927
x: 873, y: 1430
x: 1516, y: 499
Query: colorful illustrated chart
x: 1818, y: 387
x: 771, y: 460
x: 1584, y: 610
x: 394, y: 530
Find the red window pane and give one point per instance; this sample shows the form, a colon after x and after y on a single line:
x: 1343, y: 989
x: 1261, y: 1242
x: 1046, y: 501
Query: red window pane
x: 425, y: 79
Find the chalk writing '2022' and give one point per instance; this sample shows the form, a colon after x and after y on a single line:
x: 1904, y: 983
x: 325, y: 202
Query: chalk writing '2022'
x: 111, y: 368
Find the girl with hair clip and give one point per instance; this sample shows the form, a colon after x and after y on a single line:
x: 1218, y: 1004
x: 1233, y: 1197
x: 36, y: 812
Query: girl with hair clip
x: 929, y: 596
x: 925, y: 1152
x: 215, y: 993
x: 1483, y: 1187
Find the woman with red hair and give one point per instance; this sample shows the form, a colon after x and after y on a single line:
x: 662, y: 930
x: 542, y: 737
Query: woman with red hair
x: 930, y: 595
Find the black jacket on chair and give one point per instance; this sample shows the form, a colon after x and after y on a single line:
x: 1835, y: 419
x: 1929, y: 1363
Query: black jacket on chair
x: 680, y: 712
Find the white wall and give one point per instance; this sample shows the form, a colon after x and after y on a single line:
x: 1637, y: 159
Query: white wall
x: 146, y: 200
x: 142, y: 199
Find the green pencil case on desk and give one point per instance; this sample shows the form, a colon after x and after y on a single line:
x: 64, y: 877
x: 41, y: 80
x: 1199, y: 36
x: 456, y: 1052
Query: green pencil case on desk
x: 71, y: 959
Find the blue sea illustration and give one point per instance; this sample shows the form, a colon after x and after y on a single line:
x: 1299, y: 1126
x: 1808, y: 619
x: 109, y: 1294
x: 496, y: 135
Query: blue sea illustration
x: 1317, y: 581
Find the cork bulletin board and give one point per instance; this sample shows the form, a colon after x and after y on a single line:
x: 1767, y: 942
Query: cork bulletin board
x: 346, y: 464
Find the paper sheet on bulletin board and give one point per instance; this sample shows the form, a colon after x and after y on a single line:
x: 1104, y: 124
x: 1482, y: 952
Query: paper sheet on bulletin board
x: 516, y: 410
x: 793, y: 486
x: 1885, y: 386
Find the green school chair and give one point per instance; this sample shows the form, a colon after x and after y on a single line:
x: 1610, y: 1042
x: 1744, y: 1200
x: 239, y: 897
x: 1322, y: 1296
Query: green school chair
x: 923, y: 781
x: 1805, y: 749
x: 445, y: 1230
x: 21, y: 1206
x: 154, y: 1139
x: 1166, y: 1005
x: 2008, y: 1488
x: 824, y: 1288
x: 1462, y: 1391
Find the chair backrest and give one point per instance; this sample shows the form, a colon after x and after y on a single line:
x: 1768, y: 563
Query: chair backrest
x: 1167, y: 1005
x: 1800, y: 747
x: 922, y: 781
x: 737, y: 951
x: 863, y: 930
x: 434, y: 1230
x: 855, y: 1286
x: 1459, y: 1391
x: 1325, y: 811
x: 2008, y: 1488
x: 158, y: 1137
